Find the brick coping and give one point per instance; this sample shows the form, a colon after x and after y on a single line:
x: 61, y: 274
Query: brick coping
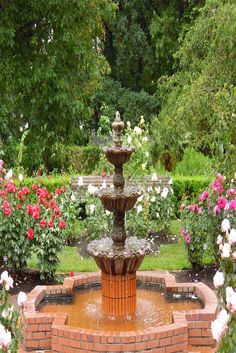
x: 50, y: 331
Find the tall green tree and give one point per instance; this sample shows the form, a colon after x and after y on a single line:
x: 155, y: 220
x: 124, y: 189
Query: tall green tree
x: 50, y: 67
x: 141, y: 42
x: 199, y: 100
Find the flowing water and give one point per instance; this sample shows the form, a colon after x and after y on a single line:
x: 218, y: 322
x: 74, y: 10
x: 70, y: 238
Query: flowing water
x: 153, y: 309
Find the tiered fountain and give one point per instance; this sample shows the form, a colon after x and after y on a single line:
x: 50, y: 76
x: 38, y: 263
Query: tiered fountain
x: 73, y: 318
x: 120, y: 261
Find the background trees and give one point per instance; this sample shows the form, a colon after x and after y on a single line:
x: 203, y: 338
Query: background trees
x: 50, y: 67
x: 65, y: 70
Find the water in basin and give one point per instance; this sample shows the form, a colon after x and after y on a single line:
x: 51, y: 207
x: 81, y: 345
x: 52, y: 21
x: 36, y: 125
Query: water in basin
x: 153, y: 309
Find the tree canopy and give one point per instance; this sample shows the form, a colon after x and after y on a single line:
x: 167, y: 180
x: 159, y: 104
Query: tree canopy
x: 50, y: 64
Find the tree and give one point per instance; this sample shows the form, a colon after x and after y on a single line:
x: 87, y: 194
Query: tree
x: 51, y: 65
x: 199, y: 100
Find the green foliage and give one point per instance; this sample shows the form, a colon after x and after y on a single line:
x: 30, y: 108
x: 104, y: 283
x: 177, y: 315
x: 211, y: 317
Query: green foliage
x: 50, y: 182
x: 84, y: 159
x: 130, y: 104
x: 193, y: 163
x: 51, y: 66
x: 198, y: 101
x: 188, y: 188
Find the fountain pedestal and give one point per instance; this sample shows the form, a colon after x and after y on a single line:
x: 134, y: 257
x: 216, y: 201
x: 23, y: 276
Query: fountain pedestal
x: 119, y: 293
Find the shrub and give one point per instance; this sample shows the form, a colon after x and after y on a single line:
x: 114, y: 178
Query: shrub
x: 187, y: 188
x: 223, y: 328
x: 202, y: 219
x: 84, y: 159
x: 33, y: 219
x: 193, y: 163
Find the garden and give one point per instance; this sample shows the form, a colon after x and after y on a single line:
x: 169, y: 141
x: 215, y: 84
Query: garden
x: 169, y: 69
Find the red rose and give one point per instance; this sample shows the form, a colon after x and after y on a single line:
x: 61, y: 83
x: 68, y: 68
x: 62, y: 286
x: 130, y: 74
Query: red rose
x: 25, y: 190
x: 6, y: 208
x: 20, y: 195
x: 62, y: 224
x: 34, y: 187
x: 30, y: 233
x: 30, y: 209
x: 42, y: 223
x: 36, y: 215
x: 19, y: 207
x: 2, y: 193
x: 104, y: 174
x: 72, y: 274
x: 50, y: 224
x: 58, y: 191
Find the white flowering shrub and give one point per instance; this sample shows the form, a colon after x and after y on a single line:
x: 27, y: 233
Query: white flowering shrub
x: 10, y: 327
x: 155, y: 205
x: 224, y: 327
x: 138, y: 137
x: 154, y: 208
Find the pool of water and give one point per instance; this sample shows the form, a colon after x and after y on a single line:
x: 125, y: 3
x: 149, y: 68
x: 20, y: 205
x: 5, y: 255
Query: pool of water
x: 153, y: 309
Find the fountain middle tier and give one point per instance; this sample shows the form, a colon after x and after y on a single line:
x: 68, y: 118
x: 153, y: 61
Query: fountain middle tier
x: 121, y: 201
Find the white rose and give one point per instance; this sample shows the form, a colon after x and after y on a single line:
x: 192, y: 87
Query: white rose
x: 232, y: 236
x: 92, y: 208
x: 104, y: 185
x: 129, y: 139
x: 142, y: 121
x: 153, y: 199
x: 20, y: 177
x: 137, y: 130
x: 164, y: 193
x: 144, y: 139
x: 225, y: 251
x: 218, y: 279
x: 139, y: 209
x: 80, y: 181
x: 72, y: 197
x: 21, y: 299
x: 225, y: 225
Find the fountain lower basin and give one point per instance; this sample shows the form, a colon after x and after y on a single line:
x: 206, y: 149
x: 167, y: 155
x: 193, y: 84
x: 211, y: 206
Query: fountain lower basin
x: 52, y: 331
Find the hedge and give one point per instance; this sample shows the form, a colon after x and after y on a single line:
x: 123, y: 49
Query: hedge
x: 184, y: 187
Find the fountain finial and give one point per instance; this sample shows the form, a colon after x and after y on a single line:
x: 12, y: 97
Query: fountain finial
x: 118, y: 127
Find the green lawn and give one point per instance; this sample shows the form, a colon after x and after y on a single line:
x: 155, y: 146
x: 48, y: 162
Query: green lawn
x: 171, y: 257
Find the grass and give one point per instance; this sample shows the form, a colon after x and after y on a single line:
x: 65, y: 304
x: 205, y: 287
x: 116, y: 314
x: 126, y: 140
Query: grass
x: 171, y: 257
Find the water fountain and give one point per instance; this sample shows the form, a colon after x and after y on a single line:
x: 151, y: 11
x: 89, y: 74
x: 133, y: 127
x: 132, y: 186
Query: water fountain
x: 118, y: 261
x: 78, y: 317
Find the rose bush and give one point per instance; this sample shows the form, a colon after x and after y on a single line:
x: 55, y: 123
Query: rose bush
x: 201, y: 220
x: 10, y: 327
x: 33, y: 220
x: 224, y: 327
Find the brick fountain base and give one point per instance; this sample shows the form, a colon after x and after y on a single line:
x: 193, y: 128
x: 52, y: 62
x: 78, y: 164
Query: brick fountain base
x: 50, y: 332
